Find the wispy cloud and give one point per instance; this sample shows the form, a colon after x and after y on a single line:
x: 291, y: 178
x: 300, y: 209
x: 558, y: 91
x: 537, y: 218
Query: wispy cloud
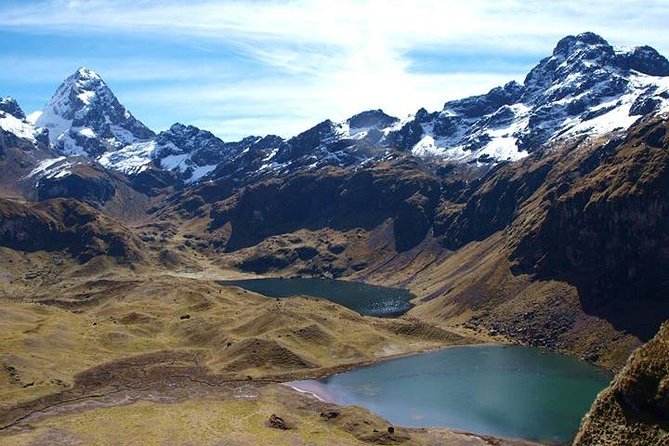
x: 316, y: 59
x: 378, y: 24
x: 286, y: 107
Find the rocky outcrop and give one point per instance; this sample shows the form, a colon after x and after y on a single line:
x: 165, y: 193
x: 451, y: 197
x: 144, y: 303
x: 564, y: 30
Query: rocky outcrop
x: 606, y: 233
x: 87, y: 183
x: 634, y: 409
x: 335, y: 198
x: 276, y: 422
x: 65, y: 225
x: 10, y: 106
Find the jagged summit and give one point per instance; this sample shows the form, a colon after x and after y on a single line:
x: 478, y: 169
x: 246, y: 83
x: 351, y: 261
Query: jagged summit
x: 84, y: 73
x: 371, y: 119
x: 186, y: 150
x: 84, y: 117
x: 588, y: 52
x: 9, y: 105
x: 586, y: 87
x: 190, y: 150
x: 571, y: 44
x: 15, y: 130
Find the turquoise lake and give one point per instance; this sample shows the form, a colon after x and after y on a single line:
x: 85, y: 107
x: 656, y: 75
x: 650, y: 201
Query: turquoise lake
x: 505, y: 391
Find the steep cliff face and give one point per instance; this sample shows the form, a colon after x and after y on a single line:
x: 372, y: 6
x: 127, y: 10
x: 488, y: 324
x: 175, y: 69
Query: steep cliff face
x: 65, y: 225
x: 566, y: 250
x: 606, y: 233
x: 84, y: 182
x: 634, y: 409
x: 336, y: 198
x: 492, y: 204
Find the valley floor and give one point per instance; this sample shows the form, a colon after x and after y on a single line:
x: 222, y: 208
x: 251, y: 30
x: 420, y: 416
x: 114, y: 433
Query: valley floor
x: 133, y: 358
x: 179, y: 411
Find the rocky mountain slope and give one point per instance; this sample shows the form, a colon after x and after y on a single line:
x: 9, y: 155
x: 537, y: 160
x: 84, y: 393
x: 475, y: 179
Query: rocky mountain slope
x: 562, y: 250
x: 65, y: 225
x: 634, y: 409
x: 604, y: 232
x: 22, y: 147
x: 15, y: 130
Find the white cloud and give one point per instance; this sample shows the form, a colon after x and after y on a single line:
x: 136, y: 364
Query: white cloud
x: 390, y: 24
x: 287, y: 107
x: 331, y: 59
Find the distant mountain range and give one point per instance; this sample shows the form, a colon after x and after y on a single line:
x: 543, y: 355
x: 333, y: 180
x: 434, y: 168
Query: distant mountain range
x: 586, y: 88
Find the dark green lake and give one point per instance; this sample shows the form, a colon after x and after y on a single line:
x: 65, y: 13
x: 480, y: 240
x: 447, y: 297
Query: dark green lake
x: 505, y: 391
x: 369, y: 300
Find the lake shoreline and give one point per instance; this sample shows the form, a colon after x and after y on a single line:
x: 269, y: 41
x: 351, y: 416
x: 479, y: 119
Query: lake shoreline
x: 530, y: 373
x: 364, y: 298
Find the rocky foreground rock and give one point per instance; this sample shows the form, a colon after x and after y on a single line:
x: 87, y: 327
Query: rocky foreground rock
x: 634, y: 409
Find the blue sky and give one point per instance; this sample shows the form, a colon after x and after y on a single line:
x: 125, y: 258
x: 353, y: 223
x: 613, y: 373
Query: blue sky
x: 257, y: 67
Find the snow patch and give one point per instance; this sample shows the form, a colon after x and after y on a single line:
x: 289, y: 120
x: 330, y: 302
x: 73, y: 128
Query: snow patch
x: 270, y: 155
x: 56, y: 124
x: 51, y: 168
x: 172, y: 162
x: 86, y: 96
x: 34, y: 116
x: 45, y: 165
x: 88, y: 133
x: 200, y: 172
x: 70, y: 146
x: 18, y: 127
x: 132, y: 159
x: 123, y: 135
x: 504, y: 140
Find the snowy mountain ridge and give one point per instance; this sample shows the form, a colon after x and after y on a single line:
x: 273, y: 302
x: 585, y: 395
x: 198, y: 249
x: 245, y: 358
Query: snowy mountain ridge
x: 14, y: 124
x: 586, y: 88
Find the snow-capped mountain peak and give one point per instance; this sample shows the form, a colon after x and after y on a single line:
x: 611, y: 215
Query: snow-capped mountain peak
x: 588, y: 63
x: 9, y: 105
x: 14, y: 126
x: 84, y: 117
x: 190, y: 152
x: 85, y: 73
x: 585, y: 88
x: 586, y: 41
